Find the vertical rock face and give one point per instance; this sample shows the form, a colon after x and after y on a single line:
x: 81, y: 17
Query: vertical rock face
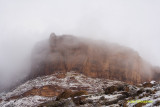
x: 92, y: 58
x: 156, y: 73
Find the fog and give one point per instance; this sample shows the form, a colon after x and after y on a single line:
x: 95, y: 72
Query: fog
x: 132, y: 23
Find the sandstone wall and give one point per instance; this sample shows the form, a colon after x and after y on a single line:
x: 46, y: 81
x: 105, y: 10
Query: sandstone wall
x: 92, y: 58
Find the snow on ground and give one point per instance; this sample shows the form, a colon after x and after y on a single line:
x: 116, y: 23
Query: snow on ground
x: 153, y: 82
x: 108, y: 97
x: 153, y: 97
x: 31, y: 101
x: 92, y: 84
x: 113, y: 105
x: 72, y: 80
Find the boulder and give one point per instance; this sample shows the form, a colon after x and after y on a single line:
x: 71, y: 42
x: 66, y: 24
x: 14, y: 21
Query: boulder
x: 147, y: 84
x: 110, y: 90
x: 64, y: 95
x: 62, y: 103
x: 68, y: 93
x: 157, y: 103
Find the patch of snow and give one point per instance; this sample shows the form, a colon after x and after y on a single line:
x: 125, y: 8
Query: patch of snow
x: 153, y: 82
x: 113, y: 105
x: 109, y: 97
x: 30, y: 101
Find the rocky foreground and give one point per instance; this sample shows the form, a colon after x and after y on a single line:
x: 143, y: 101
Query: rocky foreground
x: 73, y: 89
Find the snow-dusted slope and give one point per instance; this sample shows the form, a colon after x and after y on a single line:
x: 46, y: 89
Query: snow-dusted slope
x: 92, y: 84
x: 75, y: 81
x: 71, y: 80
x: 30, y: 101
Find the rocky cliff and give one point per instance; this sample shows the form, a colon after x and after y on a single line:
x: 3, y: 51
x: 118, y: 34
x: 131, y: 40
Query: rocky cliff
x: 90, y: 57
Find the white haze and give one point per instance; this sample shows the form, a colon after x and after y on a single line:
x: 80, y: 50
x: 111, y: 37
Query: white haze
x: 133, y: 23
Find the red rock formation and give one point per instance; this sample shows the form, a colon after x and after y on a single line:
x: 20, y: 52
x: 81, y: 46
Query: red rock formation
x: 92, y: 58
x: 46, y: 91
x: 156, y: 73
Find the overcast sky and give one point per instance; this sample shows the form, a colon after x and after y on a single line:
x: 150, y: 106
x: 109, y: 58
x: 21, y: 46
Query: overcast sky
x: 133, y: 23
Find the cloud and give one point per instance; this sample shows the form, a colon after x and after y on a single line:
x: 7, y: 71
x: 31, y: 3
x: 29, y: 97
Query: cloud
x: 133, y: 23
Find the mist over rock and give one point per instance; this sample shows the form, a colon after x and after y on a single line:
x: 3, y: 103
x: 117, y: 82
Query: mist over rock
x: 64, y: 53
